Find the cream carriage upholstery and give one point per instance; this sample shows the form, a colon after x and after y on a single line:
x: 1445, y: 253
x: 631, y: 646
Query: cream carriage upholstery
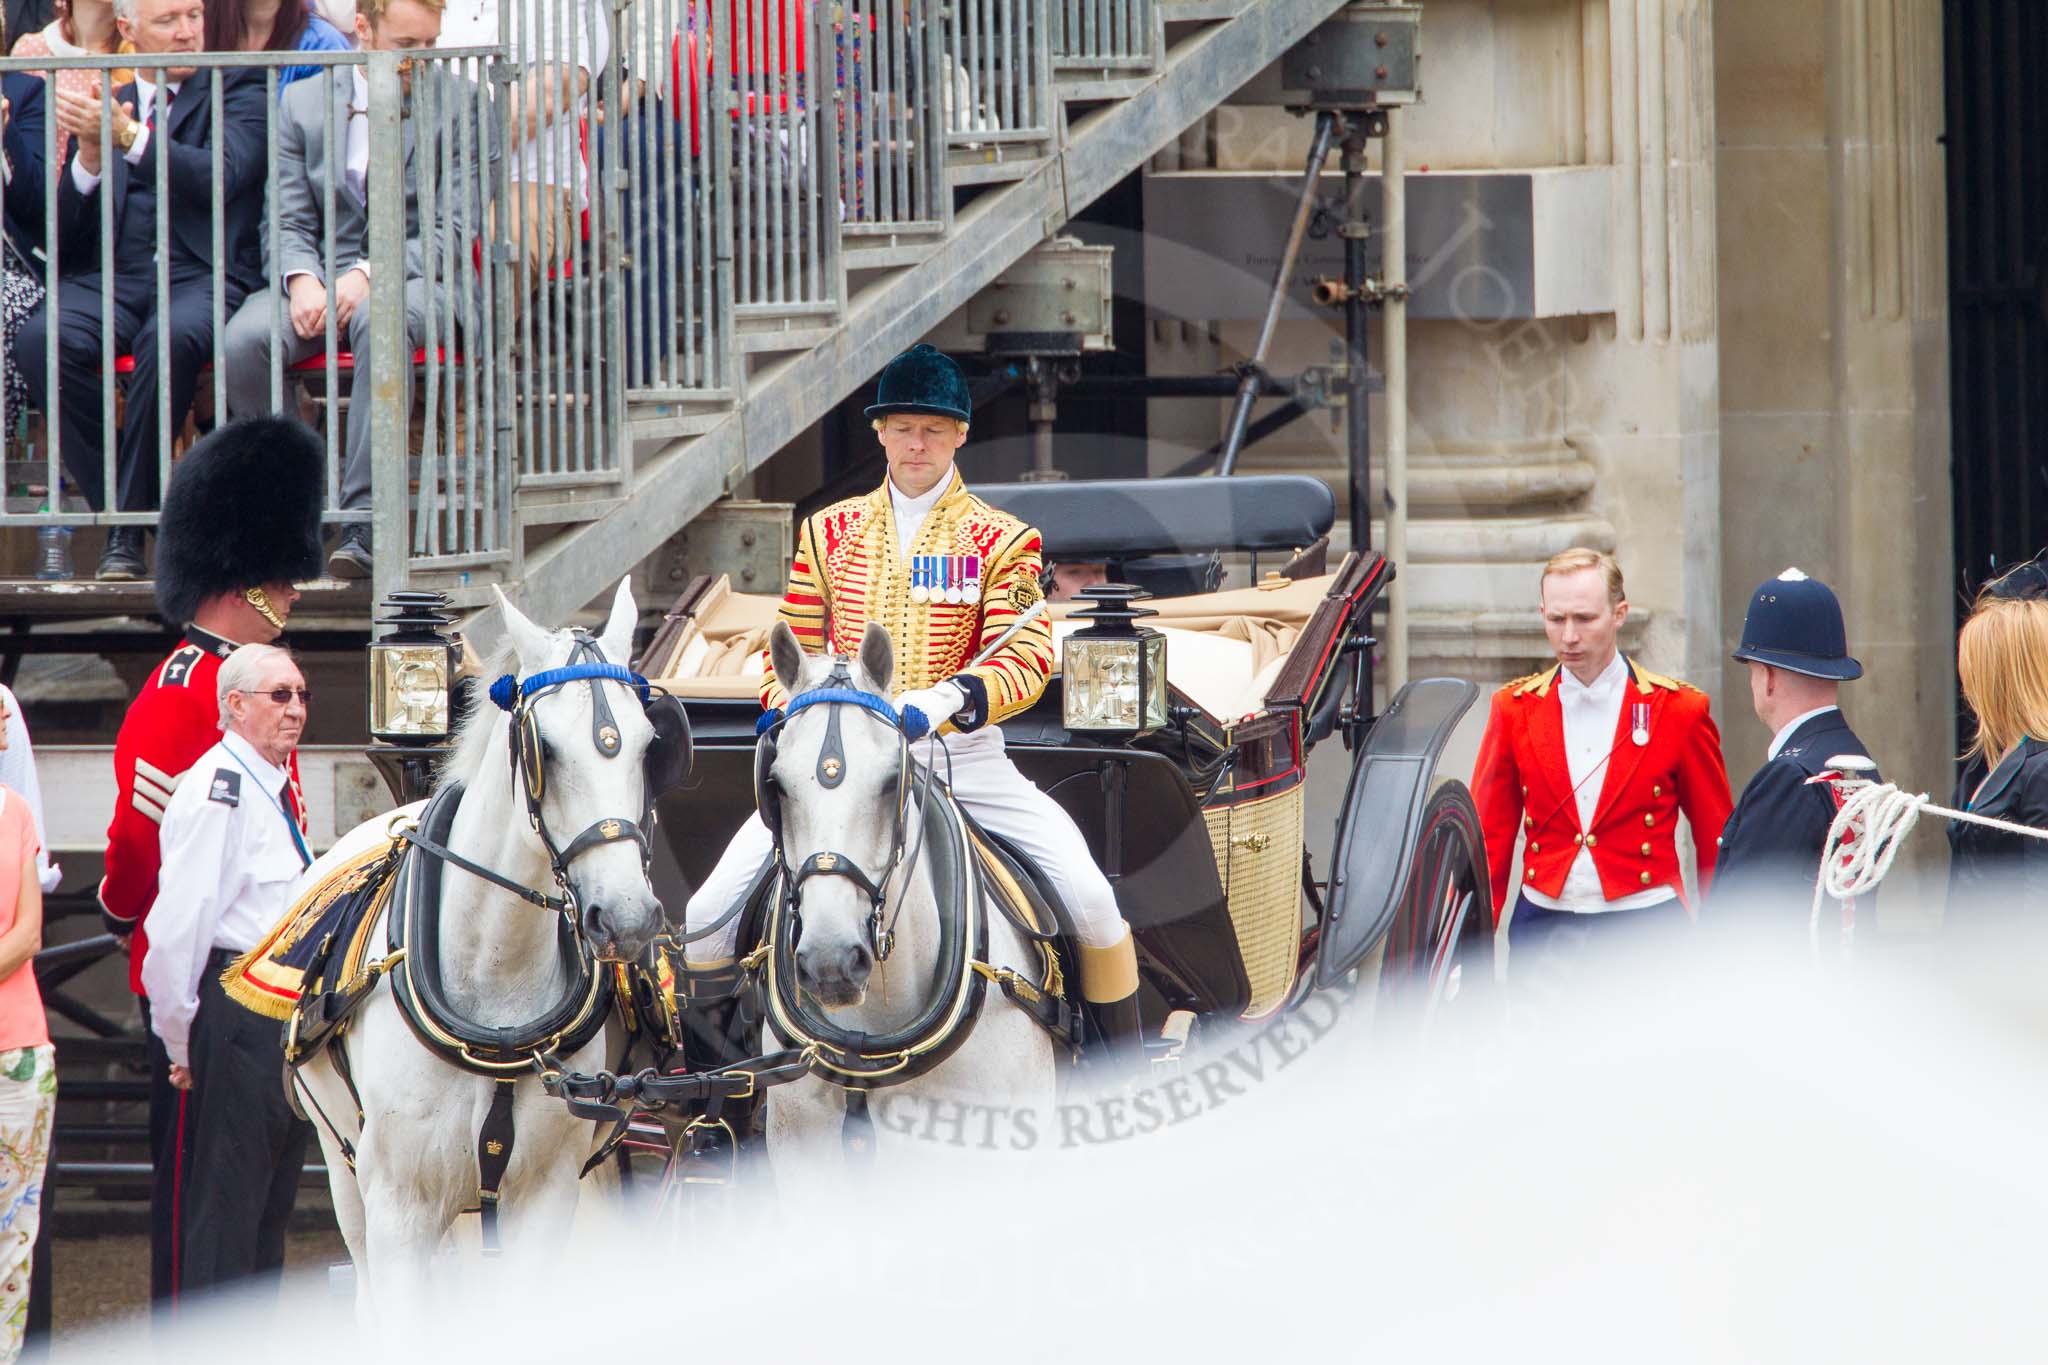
x: 1223, y: 649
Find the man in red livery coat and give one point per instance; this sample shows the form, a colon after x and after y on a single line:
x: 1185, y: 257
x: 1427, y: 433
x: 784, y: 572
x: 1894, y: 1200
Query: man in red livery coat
x: 1591, y: 761
x: 240, y: 522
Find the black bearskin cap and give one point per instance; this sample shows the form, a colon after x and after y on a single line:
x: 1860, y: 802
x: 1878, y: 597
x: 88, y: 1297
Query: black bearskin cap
x: 243, y: 508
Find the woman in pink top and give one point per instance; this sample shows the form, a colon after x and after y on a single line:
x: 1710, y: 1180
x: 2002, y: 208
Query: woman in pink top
x: 28, y: 1071
x: 82, y: 28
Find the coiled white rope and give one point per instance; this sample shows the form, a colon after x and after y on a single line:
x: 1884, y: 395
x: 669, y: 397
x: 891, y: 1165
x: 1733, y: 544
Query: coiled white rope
x: 1865, y: 838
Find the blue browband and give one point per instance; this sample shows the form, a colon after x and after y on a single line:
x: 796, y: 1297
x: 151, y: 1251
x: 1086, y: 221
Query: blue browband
x: 911, y: 722
x: 508, y: 691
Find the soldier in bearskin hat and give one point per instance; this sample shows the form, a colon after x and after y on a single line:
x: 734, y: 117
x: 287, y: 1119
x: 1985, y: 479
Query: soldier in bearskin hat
x: 240, y: 524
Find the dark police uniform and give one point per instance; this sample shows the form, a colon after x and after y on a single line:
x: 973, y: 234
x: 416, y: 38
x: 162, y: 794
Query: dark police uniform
x: 1771, y: 847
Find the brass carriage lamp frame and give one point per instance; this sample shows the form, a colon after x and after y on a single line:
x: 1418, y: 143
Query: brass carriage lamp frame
x: 412, y: 670
x: 1113, y: 674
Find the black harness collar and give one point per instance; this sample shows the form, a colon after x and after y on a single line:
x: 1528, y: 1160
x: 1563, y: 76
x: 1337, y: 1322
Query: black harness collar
x: 413, y: 926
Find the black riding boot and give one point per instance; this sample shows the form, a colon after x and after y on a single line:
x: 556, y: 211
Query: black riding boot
x: 1122, y: 1033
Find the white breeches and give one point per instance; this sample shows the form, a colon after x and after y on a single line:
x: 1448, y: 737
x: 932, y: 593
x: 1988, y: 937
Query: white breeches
x: 1003, y: 800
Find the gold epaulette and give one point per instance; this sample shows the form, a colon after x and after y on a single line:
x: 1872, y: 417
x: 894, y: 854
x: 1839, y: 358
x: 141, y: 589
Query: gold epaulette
x: 1538, y: 682
x: 1645, y: 680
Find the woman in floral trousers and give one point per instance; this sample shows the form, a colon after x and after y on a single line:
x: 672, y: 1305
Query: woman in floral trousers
x: 28, y: 1072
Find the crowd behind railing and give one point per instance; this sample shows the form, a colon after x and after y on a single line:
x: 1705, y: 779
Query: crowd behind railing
x: 204, y: 198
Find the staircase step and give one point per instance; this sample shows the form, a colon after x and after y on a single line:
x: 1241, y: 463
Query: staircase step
x: 768, y: 341
x: 989, y: 165
x: 1079, y: 90
x: 654, y: 424
x: 1184, y: 11
x: 568, y: 511
x: 892, y: 252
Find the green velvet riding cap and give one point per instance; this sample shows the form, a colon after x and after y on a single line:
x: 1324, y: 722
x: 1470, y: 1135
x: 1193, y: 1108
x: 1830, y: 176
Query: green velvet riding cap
x: 922, y: 379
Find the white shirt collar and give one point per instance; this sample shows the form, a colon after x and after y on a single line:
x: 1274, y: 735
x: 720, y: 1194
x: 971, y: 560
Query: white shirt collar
x: 272, y: 776
x: 1785, y: 732
x: 907, y: 506
x: 145, y: 95
x: 1600, y: 689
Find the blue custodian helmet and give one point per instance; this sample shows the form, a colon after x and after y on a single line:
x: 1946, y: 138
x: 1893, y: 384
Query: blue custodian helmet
x: 1795, y: 623
x: 923, y: 379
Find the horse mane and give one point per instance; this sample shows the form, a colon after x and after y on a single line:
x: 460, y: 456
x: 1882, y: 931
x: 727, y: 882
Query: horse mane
x: 474, y: 741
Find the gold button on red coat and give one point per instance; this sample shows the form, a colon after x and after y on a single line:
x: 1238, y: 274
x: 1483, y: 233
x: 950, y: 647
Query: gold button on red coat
x: 1646, y: 850
x: 1646, y: 879
x: 1649, y: 820
x: 1592, y: 841
x: 1656, y: 791
x: 1535, y: 848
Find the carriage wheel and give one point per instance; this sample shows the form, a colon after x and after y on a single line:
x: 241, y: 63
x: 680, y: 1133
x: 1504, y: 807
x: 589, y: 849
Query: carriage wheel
x: 1439, y: 948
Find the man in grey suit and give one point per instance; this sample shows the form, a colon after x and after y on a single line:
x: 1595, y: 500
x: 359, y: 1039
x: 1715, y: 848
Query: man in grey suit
x: 297, y: 258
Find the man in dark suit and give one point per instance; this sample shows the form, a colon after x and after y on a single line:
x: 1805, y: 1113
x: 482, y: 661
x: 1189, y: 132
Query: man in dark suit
x: 162, y: 125
x: 1798, y: 656
x: 298, y: 258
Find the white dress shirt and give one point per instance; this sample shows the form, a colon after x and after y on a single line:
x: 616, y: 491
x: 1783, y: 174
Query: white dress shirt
x: 1591, y: 713
x: 18, y: 772
x: 1778, y: 740
x: 910, y: 512
x: 229, y: 864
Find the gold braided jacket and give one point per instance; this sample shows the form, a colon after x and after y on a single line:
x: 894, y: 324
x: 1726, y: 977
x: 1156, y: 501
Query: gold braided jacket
x: 848, y: 572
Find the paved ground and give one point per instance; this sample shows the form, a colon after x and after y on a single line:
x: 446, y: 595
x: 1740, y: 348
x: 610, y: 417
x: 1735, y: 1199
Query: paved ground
x: 103, y: 1276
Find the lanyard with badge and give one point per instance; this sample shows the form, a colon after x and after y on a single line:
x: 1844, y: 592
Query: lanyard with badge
x: 298, y: 839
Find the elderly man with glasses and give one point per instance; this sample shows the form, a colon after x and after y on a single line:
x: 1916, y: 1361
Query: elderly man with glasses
x: 234, y: 842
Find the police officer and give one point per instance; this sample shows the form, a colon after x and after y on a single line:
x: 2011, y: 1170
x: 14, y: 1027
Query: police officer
x: 1798, y: 656
x: 948, y: 575
x: 234, y: 843
x: 240, y: 523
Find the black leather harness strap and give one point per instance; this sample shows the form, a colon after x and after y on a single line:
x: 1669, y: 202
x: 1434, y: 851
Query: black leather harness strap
x: 493, y: 1156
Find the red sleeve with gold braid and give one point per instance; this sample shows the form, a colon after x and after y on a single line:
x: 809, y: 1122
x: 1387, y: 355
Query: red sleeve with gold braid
x: 804, y: 609
x: 1015, y: 676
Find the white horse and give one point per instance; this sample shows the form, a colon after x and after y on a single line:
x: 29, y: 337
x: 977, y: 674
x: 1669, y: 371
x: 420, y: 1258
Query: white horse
x: 415, y: 1148
x: 1005, y: 1065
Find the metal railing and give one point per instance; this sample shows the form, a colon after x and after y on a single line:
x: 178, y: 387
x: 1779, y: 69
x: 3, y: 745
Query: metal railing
x: 566, y: 231
x: 1104, y: 35
x: 892, y: 135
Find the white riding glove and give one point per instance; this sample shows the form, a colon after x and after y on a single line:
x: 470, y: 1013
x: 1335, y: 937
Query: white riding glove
x: 938, y: 703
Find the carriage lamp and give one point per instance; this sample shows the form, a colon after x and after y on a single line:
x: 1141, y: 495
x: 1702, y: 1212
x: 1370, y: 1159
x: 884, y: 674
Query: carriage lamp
x: 411, y: 667
x: 1113, y: 674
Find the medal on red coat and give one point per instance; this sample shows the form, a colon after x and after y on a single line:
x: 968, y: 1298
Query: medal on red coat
x: 1641, y: 733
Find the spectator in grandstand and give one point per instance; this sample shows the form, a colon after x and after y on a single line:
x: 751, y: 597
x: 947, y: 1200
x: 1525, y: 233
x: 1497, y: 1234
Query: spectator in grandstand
x: 126, y: 169
x: 18, y: 775
x: 564, y: 47
x: 28, y: 1074
x: 81, y: 28
x: 21, y: 172
x: 271, y: 26
x: 298, y: 252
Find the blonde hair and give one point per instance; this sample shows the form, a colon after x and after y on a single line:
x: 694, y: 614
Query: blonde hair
x: 2002, y: 663
x: 1577, y: 558
x: 876, y: 422
x: 373, y: 10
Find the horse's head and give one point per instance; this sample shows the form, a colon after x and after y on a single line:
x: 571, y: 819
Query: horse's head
x: 834, y: 789
x: 591, y: 758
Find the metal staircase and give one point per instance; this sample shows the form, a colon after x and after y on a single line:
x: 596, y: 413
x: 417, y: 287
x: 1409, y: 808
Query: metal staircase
x: 830, y: 196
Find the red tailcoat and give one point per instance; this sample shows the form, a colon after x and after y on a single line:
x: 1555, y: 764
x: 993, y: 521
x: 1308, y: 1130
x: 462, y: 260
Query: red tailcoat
x: 172, y: 721
x: 1522, y: 784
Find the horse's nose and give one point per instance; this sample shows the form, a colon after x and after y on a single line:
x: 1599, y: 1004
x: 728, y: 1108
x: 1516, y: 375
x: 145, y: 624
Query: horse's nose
x: 620, y: 933
x: 836, y: 976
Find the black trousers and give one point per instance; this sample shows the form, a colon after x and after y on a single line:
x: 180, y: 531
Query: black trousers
x: 248, y: 1148
x: 74, y: 311
x: 170, y: 1161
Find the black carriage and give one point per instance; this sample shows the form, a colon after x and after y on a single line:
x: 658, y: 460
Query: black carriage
x: 1197, y: 812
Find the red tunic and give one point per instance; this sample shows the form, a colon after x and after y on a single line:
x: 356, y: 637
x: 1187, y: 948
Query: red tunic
x: 172, y: 721
x: 1522, y: 785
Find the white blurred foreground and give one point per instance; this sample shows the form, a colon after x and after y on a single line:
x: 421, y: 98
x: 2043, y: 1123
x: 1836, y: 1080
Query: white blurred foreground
x: 1750, y: 1161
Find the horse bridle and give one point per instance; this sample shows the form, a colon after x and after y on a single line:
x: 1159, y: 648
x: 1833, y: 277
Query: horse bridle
x: 587, y: 664
x: 837, y: 693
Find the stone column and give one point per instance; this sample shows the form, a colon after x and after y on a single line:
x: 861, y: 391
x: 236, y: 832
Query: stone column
x: 1835, y: 351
